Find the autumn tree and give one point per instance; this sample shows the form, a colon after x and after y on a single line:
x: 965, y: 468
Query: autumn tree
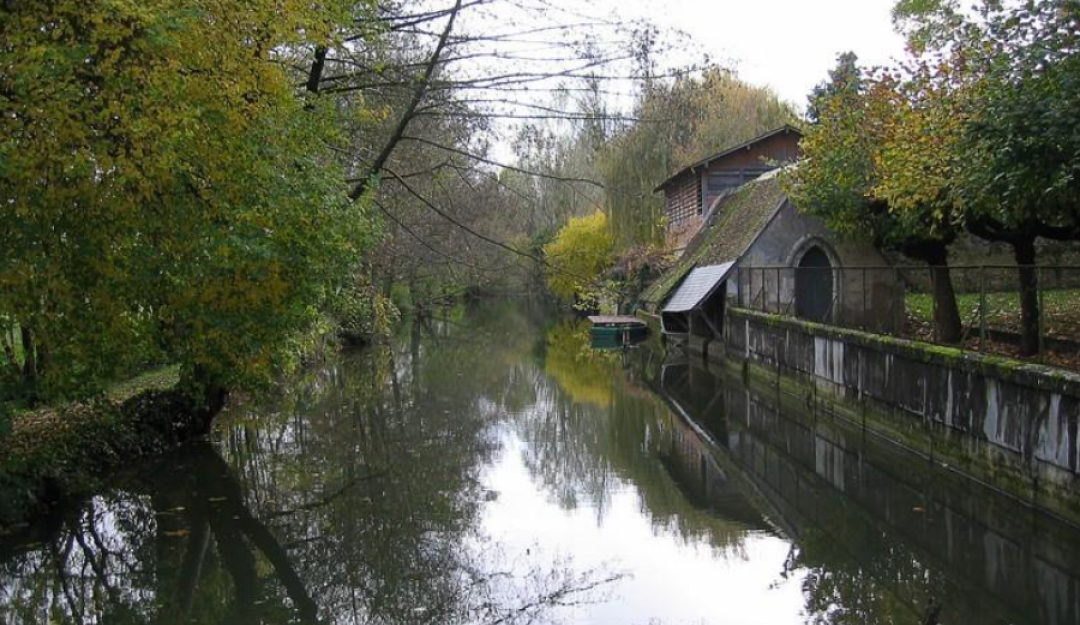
x: 578, y: 258
x: 869, y: 140
x: 166, y: 190
x: 1005, y: 141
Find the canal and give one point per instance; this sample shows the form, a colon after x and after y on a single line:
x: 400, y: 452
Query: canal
x: 489, y: 467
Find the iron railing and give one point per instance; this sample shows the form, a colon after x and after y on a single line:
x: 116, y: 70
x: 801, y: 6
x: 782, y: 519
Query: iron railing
x: 899, y: 301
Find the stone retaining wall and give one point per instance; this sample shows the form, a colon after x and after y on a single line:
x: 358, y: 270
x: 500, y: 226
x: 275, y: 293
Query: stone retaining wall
x: 1011, y: 425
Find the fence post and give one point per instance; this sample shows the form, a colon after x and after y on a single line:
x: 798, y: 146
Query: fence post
x: 898, y: 303
x: 837, y: 308
x: 778, y: 290
x: 1042, y: 314
x: 750, y: 292
x: 982, y: 308
x: 738, y: 287
x: 764, y: 290
x: 934, y: 303
x: 863, y: 320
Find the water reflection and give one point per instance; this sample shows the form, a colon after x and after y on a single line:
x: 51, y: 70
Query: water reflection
x: 488, y: 467
x: 880, y: 535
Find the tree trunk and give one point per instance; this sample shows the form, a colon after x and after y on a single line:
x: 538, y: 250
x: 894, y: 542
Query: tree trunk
x: 30, y: 367
x: 946, y: 313
x: 1024, y: 252
x: 205, y: 399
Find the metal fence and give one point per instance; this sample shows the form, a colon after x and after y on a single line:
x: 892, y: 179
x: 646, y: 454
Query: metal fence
x: 899, y: 301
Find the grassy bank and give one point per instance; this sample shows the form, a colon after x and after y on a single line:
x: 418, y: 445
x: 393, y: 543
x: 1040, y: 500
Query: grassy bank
x: 1062, y: 310
x: 59, y: 452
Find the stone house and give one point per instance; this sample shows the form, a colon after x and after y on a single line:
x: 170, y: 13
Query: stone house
x: 754, y: 249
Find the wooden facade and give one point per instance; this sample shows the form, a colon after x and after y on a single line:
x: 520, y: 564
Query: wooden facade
x: 690, y: 193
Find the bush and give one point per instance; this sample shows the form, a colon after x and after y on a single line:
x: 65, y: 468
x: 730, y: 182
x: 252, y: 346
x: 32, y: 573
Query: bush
x: 578, y: 259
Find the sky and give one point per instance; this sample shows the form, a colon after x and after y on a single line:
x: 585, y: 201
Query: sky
x: 788, y: 45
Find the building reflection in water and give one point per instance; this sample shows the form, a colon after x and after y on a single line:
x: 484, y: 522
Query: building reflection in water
x: 876, y: 530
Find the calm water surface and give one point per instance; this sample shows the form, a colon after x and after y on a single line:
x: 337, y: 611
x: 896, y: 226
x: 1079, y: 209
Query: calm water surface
x: 490, y: 468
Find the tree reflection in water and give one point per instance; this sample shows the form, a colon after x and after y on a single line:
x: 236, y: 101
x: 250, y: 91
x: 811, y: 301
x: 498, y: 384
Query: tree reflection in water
x: 357, y: 493
x: 366, y: 514
x: 597, y: 429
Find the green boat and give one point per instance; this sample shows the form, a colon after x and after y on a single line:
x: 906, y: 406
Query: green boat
x: 609, y: 332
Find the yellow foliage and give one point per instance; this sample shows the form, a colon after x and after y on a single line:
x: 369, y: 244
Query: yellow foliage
x: 580, y: 254
x: 587, y: 375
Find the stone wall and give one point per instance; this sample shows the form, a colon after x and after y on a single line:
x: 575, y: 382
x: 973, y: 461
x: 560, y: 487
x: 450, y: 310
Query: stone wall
x: 865, y: 297
x: 1011, y: 425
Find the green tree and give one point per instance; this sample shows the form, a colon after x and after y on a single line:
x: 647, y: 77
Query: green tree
x: 166, y: 189
x: 1012, y: 151
x: 866, y: 145
x: 1021, y: 144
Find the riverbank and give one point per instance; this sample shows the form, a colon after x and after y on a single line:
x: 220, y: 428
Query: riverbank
x: 57, y: 453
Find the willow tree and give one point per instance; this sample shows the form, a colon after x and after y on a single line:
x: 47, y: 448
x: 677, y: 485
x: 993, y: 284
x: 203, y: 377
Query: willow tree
x: 165, y: 189
x: 677, y: 123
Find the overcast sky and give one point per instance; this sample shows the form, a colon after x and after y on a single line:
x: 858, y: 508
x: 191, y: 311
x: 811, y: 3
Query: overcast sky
x: 787, y: 44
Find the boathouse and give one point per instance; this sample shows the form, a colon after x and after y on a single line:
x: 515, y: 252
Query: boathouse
x: 692, y: 191
x: 754, y: 249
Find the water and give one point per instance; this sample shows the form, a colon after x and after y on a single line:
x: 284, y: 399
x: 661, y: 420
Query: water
x: 492, y: 468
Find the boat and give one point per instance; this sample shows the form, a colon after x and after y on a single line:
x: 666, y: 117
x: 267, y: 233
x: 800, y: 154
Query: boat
x: 616, y: 331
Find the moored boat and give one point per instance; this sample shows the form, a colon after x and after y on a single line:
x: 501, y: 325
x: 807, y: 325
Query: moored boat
x: 615, y: 331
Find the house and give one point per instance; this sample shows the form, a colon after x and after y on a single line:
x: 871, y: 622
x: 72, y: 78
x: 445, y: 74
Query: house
x: 690, y: 193
x: 754, y: 249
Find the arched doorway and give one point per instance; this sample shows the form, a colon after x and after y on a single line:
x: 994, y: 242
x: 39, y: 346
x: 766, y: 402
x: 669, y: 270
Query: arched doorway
x: 814, y: 286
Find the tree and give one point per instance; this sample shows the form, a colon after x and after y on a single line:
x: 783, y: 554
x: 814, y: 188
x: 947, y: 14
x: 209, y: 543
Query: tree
x: 676, y: 125
x: 167, y: 192
x: 578, y: 257
x: 1021, y: 145
x: 846, y: 77
x: 849, y: 176
x: 1013, y: 149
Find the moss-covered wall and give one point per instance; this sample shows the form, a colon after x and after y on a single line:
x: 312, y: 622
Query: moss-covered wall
x: 1011, y: 424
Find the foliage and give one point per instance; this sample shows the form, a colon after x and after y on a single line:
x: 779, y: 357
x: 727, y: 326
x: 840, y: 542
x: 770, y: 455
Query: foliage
x: 1062, y: 310
x: 363, y: 312
x: 872, y: 164
x: 876, y: 168
x: 1010, y: 154
x: 587, y: 375
x: 167, y: 193
x: 579, y: 256
x: 1021, y: 146
x: 845, y: 78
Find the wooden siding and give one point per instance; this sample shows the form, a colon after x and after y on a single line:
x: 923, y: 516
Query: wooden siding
x: 683, y: 200
x: 691, y: 193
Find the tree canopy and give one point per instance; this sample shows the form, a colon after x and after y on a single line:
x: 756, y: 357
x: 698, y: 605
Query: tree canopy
x: 167, y: 193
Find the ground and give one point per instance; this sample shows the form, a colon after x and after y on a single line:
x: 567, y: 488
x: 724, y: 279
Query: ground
x: 60, y: 451
x: 1061, y: 310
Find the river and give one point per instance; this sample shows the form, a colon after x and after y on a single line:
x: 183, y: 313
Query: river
x: 490, y: 467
